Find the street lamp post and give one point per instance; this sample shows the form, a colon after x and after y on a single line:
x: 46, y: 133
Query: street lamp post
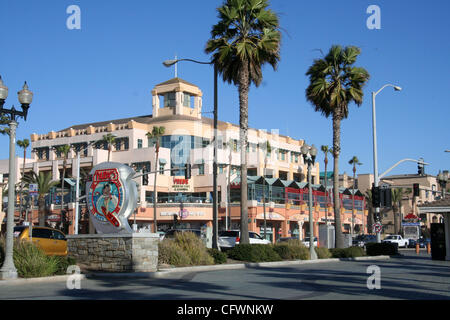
x: 442, y: 178
x: 215, y: 242
x: 8, y: 270
x: 309, y: 157
x: 375, y: 159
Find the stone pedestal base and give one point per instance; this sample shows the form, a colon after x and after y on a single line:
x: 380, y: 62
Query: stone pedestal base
x: 136, y: 252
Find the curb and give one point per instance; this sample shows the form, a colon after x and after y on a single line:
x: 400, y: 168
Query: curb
x: 160, y: 274
x: 39, y: 280
x: 164, y: 272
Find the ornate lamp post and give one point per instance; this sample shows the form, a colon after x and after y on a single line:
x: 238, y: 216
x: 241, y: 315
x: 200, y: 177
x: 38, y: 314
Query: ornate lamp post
x: 8, y: 270
x: 442, y: 179
x: 309, y: 157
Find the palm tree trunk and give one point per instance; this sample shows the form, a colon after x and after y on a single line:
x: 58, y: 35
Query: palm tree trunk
x: 21, y: 182
x: 337, y: 205
x: 41, y: 204
x: 244, y: 86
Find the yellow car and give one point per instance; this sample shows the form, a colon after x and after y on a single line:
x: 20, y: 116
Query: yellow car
x: 51, y: 241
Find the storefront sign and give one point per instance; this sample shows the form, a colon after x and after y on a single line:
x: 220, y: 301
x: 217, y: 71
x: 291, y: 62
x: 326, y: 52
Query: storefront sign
x: 181, y: 185
x: 112, y: 197
x: 185, y: 214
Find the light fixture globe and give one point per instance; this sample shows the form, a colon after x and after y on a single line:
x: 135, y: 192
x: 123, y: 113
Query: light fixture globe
x: 397, y: 88
x: 3, y: 90
x: 169, y: 63
x: 305, y: 149
x: 25, y: 95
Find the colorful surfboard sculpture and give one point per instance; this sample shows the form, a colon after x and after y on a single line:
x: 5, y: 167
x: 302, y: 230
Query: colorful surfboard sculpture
x: 111, y: 197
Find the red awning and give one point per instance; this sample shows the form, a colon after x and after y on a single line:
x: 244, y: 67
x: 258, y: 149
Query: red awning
x: 411, y: 216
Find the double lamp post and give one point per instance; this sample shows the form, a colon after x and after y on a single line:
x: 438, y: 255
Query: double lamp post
x: 8, y: 270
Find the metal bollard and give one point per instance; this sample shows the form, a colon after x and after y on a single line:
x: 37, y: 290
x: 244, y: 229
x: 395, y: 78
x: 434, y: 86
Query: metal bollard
x: 417, y: 248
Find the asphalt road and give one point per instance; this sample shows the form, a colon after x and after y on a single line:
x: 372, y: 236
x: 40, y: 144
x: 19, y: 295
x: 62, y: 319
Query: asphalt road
x: 407, y: 277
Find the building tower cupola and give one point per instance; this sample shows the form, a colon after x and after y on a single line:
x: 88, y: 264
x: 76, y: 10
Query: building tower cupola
x: 178, y: 97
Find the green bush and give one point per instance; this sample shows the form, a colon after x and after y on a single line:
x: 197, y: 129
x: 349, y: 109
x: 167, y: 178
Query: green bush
x: 292, y: 251
x: 184, y: 250
x: 31, y: 261
x: 351, y: 252
x: 253, y: 253
x: 323, y: 253
x: 218, y: 256
x: 377, y: 249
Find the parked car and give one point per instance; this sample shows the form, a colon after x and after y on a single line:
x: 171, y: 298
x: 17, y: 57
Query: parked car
x: 398, y: 239
x: 170, y: 234
x: 363, y: 240
x: 229, y: 238
x: 51, y: 241
x: 305, y: 241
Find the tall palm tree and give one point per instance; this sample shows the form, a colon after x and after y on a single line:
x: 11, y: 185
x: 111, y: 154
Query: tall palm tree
x: 44, y: 182
x: 326, y: 150
x: 354, y: 161
x: 25, y: 143
x: 334, y: 84
x: 246, y: 37
x: 156, y: 134
x: 109, y: 139
x: 63, y: 151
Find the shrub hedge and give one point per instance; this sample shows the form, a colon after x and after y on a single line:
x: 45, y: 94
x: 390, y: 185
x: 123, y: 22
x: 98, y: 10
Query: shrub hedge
x: 351, y: 252
x: 253, y: 253
x: 31, y: 261
x: 376, y: 249
x: 218, y: 256
x: 185, y: 249
x: 291, y: 251
x: 322, y: 253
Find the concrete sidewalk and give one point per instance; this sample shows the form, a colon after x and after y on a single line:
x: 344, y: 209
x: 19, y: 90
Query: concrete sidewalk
x: 168, y: 272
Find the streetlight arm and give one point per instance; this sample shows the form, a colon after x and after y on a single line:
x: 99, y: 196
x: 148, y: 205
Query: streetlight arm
x: 397, y: 88
x: 388, y: 170
x: 169, y: 63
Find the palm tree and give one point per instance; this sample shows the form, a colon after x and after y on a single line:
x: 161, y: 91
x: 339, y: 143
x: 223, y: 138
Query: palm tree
x: 397, y: 197
x: 354, y: 161
x: 246, y: 37
x: 63, y: 150
x: 370, y: 219
x: 326, y: 150
x: 156, y: 134
x: 23, y: 144
x: 334, y: 84
x: 109, y: 139
x: 44, y: 182
x: 267, y: 149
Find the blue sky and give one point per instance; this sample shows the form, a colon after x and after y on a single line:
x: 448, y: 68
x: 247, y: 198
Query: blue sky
x: 107, y: 69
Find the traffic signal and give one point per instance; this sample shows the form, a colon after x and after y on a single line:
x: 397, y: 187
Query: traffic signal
x: 145, y: 178
x: 420, y: 168
x: 376, y: 197
x: 416, y: 192
x: 187, y: 171
x: 386, y: 196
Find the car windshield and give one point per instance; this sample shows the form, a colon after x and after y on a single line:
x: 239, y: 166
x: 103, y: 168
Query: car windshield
x: 391, y: 238
x: 229, y: 234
